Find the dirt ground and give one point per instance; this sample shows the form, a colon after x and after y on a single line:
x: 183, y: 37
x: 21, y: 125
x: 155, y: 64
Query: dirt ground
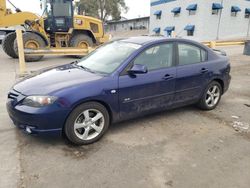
x: 182, y: 148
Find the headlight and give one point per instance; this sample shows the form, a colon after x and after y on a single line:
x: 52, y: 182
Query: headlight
x: 39, y: 101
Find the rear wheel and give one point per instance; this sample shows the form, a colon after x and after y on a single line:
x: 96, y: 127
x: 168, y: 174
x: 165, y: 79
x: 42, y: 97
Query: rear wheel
x: 211, y: 96
x: 87, y: 123
x: 31, y: 41
x: 8, y: 45
x: 82, y: 41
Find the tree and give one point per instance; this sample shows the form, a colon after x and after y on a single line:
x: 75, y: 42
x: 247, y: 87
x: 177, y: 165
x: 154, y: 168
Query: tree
x: 102, y: 9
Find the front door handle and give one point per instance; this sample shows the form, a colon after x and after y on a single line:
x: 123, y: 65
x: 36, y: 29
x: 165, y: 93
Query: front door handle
x: 167, y: 77
x: 204, y: 70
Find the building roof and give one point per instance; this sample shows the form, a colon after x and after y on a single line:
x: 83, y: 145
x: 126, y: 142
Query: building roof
x: 128, y: 20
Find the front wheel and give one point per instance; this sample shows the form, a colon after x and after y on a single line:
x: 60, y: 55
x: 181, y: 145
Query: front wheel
x: 211, y: 97
x: 31, y: 41
x: 87, y: 123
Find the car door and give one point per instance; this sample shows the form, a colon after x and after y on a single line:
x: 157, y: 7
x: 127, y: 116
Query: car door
x: 142, y: 93
x: 192, y: 73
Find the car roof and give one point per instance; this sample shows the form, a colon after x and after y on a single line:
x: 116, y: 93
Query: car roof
x: 143, y: 40
x: 151, y: 40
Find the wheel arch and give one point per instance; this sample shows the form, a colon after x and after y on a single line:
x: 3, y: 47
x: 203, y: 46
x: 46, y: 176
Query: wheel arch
x: 221, y: 82
x: 85, y: 32
x: 108, y: 108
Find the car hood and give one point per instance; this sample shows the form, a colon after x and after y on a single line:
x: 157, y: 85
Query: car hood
x: 50, y: 80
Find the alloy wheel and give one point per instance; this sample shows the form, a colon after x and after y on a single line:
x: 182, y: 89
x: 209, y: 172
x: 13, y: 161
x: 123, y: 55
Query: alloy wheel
x: 89, y: 124
x: 213, y: 96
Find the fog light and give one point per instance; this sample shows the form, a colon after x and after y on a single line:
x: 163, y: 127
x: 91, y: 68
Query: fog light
x: 28, y: 130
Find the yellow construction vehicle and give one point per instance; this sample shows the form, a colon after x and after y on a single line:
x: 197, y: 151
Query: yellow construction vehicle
x: 58, y: 27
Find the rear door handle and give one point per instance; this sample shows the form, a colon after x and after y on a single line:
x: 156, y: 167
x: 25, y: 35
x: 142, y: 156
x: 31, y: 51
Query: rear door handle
x: 167, y: 77
x: 204, y: 70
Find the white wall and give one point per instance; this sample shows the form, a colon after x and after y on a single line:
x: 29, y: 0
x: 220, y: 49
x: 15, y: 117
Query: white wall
x: 234, y: 27
x: 206, y: 24
x: 125, y: 25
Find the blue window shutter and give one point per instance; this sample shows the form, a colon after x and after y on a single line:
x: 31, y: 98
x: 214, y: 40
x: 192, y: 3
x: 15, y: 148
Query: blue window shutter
x: 157, y: 30
x: 169, y: 28
x: 192, y: 7
x: 158, y: 12
x: 235, y: 9
x: 247, y: 11
x: 189, y: 27
x: 176, y: 10
x: 217, y: 6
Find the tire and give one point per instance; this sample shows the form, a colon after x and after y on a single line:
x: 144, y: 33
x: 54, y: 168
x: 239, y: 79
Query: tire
x: 211, y: 97
x: 81, y: 130
x: 8, y: 45
x: 31, y: 41
x: 81, y: 41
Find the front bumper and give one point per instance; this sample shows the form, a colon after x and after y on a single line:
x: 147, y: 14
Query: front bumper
x: 47, y: 120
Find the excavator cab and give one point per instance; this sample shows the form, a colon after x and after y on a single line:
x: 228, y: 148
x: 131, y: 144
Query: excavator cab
x: 59, y: 15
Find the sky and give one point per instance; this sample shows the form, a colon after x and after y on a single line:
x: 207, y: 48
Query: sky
x: 137, y: 8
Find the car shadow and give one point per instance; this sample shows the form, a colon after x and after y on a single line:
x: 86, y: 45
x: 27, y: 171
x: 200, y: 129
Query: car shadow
x: 117, y: 127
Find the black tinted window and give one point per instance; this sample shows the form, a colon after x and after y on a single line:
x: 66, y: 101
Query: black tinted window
x: 189, y: 54
x: 94, y: 27
x: 157, y: 57
x: 62, y: 8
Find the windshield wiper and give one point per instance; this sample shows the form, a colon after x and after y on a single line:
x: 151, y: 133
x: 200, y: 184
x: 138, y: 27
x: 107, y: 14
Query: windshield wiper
x: 90, y: 70
x: 86, y: 69
x: 74, y: 62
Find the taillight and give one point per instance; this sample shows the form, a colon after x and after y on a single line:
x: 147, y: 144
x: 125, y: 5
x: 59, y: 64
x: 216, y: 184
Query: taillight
x: 228, y: 69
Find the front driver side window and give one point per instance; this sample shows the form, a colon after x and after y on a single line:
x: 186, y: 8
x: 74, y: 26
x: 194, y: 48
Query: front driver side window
x: 157, y: 57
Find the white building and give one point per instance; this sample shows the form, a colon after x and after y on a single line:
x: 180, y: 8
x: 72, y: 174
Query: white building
x: 201, y: 20
x: 141, y: 23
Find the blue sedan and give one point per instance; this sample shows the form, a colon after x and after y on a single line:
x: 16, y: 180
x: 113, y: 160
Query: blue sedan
x: 121, y: 80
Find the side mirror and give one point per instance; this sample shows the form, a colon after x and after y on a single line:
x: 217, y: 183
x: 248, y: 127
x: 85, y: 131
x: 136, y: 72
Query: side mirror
x: 138, y: 69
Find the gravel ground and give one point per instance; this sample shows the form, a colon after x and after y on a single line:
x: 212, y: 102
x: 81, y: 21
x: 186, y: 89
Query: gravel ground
x: 180, y: 148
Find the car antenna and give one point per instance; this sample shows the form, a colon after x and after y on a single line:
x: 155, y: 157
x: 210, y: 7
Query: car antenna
x: 17, y: 9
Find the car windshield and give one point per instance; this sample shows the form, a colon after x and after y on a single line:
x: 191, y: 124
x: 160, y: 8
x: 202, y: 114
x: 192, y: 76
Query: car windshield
x: 109, y: 57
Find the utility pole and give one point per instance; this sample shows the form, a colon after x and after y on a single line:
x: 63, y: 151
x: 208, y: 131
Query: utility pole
x: 248, y: 27
x: 218, y: 28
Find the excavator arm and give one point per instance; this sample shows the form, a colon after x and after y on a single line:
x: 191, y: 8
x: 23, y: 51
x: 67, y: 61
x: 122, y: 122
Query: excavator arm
x: 3, y: 9
x: 8, y: 19
x: 16, y: 19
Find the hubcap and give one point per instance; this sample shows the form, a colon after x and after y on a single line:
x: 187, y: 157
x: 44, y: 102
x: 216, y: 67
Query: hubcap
x: 89, y: 124
x: 32, y: 44
x: 213, y: 96
x: 83, y: 44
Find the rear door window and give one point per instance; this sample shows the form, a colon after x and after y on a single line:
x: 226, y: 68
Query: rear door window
x: 190, y: 54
